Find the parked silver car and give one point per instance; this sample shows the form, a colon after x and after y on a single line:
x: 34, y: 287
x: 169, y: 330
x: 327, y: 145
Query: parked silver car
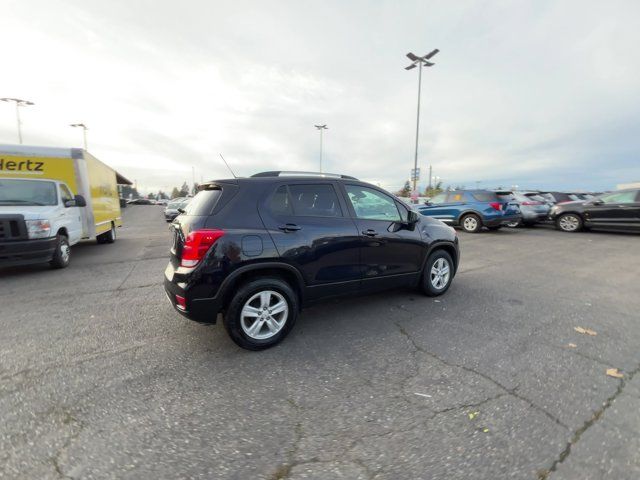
x: 533, y: 208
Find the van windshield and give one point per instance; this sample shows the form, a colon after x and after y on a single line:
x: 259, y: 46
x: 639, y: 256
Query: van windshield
x: 27, y: 192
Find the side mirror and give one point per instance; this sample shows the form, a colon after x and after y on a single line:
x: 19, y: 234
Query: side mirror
x: 181, y: 210
x: 412, y: 217
x: 78, y: 201
x: 596, y: 201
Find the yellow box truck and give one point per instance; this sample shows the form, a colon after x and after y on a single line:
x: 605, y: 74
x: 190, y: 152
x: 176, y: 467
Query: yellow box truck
x: 50, y: 199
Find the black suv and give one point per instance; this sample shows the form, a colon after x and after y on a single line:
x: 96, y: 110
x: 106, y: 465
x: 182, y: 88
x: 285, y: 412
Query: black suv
x: 618, y: 210
x: 258, y: 249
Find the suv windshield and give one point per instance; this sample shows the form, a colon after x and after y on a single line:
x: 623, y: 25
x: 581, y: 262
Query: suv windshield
x: 27, y: 192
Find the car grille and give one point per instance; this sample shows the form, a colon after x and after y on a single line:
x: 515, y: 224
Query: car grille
x: 12, y: 228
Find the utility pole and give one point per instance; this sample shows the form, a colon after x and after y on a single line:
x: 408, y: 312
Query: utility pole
x: 419, y: 61
x: 19, y: 103
x: 84, y: 131
x: 430, y: 173
x: 320, y: 129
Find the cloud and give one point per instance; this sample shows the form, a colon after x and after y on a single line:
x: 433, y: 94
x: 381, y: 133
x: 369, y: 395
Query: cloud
x: 530, y: 93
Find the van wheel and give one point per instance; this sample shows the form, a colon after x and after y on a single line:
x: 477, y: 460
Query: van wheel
x: 62, y: 254
x: 107, y: 237
x: 438, y: 274
x: 261, y: 313
x: 471, y: 223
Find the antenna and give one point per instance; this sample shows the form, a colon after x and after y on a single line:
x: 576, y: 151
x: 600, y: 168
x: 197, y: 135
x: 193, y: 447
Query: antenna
x: 225, y: 162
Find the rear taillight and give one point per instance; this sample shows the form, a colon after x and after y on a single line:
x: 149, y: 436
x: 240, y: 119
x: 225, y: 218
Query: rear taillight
x: 181, y: 302
x: 531, y: 203
x: 496, y: 205
x: 196, y: 246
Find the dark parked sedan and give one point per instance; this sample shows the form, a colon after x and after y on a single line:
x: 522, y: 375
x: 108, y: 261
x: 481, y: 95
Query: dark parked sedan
x: 616, y: 210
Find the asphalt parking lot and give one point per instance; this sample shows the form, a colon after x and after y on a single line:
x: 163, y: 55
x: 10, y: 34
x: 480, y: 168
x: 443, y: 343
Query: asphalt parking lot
x: 99, y: 378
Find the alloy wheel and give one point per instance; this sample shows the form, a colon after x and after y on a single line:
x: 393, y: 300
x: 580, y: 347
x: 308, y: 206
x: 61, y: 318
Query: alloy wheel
x: 264, y: 314
x: 569, y: 223
x: 440, y: 273
x: 470, y: 223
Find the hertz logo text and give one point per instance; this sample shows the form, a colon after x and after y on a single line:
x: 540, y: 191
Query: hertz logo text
x: 22, y: 166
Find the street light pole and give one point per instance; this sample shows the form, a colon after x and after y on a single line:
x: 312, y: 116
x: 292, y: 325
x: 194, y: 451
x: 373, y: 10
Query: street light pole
x: 19, y: 103
x: 419, y: 61
x: 320, y: 129
x: 84, y: 131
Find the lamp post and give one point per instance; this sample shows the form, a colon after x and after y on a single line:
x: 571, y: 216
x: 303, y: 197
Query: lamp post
x: 320, y: 129
x: 19, y: 103
x: 419, y: 61
x: 84, y: 131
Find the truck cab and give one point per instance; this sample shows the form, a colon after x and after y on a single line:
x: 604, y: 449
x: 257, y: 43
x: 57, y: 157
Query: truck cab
x: 40, y: 219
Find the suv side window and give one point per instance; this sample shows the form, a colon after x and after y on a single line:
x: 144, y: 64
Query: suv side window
x: 318, y: 200
x: 371, y: 204
x: 619, y: 197
x: 455, y: 197
x: 280, y: 202
x: 440, y: 198
x: 65, y: 193
x: 484, y: 196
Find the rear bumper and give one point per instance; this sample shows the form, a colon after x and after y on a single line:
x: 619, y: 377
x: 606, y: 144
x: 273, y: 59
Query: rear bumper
x: 500, y: 221
x: 25, y: 252
x: 532, y: 216
x: 201, y: 310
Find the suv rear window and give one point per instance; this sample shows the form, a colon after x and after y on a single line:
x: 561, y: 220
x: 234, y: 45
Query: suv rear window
x: 204, y: 202
x: 485, y: 196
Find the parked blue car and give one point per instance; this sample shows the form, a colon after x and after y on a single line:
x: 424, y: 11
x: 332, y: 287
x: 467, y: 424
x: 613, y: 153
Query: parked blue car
x: 472, y: 209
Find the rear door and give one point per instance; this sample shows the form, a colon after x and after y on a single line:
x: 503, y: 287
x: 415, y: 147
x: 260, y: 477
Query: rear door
x: 391, y: 251
x: 308, y: 223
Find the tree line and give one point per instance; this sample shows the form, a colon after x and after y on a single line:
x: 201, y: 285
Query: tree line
x: 129, y: 191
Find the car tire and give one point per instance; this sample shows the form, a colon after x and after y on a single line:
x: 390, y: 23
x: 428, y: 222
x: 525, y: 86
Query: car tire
x: 569, y: 222
x: 435, y: 281
x: 62, y: 253
x: 107, y: 237
x: 515, y: 224
x: 471, y: 223
x: 252, y: 301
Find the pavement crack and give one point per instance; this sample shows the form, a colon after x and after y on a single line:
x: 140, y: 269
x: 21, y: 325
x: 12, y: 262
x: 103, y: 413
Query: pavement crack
x: 283, y: 471
x: 597, y: 415
x: 67, y: 419
x: 510, y: 391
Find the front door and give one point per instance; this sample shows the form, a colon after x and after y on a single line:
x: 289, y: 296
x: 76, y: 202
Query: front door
x: 615, y: 210
x: 440, y: 208
x: 392, y: 251
x: 70, y: 217
x: 312, y: 231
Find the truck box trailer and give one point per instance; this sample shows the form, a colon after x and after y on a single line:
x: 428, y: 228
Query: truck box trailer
x: 50, y: 199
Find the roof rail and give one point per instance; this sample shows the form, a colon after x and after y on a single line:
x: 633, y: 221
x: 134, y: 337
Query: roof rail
x: 283, y: 173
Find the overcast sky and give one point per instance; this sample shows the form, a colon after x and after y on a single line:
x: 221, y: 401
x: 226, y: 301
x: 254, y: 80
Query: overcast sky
x: 532, y: 93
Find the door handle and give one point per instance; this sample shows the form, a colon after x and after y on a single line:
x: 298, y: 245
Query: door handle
x: 289, y: 227
x: 370, y: 233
